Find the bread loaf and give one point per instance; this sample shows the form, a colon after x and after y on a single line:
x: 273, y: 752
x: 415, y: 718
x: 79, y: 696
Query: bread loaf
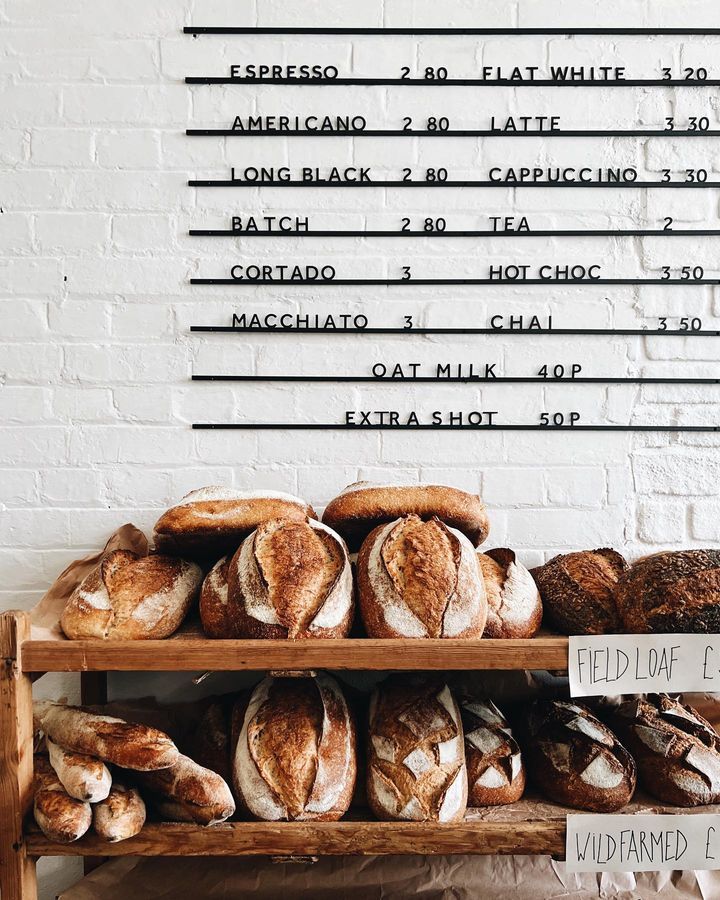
x: 296, y: 757
x: 131, y: 597
x: 215, y: 612
x: 121, y: 815
x: 188, y: 792
x: 677, y: 751
x: 514, y: 604
x: 674, y: 592
x: 416, y: 765
x: 212, y: 744
x: 577, y: 591
x: 83, y: 777
x: 576, y: 760
x: 212, y: 521
x: 420, y: 579
x: 113, y: 740
x: 59, y: 816
x: 362, y: 506
x: 289, y: 579
x: 496, y: 774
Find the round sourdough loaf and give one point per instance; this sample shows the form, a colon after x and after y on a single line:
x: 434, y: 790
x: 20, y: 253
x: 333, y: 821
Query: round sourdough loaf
x: 576, y: 760
x: 131, y: 597
x: 215, y: 615
x: 121, y: 815
x: 676, y: 750
x: 416, y: 763
x: 672, y: 592
x: 420, y: 579
x: 212, y: 521
x: 514, y: 605
x: 577, y: 590
x: 289, y: 579
x: 496, y: 774
x: 59, y: 816
x: 295, y: 758
x: 364, y: 505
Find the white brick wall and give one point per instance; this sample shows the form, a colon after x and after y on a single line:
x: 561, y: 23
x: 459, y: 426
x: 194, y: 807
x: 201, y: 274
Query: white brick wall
x: 95, y: 350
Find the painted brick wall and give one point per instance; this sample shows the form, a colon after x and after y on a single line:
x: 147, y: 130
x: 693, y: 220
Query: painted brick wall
x: 95, y: 351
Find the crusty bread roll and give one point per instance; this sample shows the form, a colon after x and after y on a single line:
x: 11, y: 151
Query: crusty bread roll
x: 295, y: 758
x: 83, y: 777
x: 113, y: 740
x: 362, y: 506
x: 131, y: 597
x: 289, y: 579
x: 577, y: 591
x: 212, y: 521
x: 496, y: 774
x: 677, y: 751
x: 672, y: 592
x: 420, y: 579
x: 59, y: 816
x: 576, y: 760
x: 514, y: 605
x: 121, y: 815
x: 188, y: 792
x: 416, y: 764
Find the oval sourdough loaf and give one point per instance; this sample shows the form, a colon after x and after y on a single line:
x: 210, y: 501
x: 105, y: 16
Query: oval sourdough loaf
x: 121, y: 815
x: 295, y: 758
x: 362, y: 506
x: 83, y: 777
x: 514, y: 605
x: 496, y: 774
x: 419, y: 579
x: 188, y: 792
x: 289, y: 579
x: 212, y: 521
x: 672, y: 592
x: 416, y: 763
x: 577, y: 590
x: 576, y: 760
x: 130, y: 597
x: 59, y: 816
x: 676, y: 750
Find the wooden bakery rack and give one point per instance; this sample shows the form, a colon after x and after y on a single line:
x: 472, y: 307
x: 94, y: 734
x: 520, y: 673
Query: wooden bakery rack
x: 24, y: 660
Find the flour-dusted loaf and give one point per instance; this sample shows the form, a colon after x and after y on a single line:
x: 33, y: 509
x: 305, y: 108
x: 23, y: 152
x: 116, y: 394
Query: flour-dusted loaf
x: 514, y: 605
x: 295, y: 758
x: 574, y: 759
x: 111, y: 739
x: 83, y: 777
x: 416, y: 763
x: 672, y: 592
x: 420, y: 579
x: 289, y: 579
x: 121, y: 815
x: 131, y: 597
x: 215, y: 612
x: 362, y: 506
x: 188, y: 792
x: 577, y: 590
x: 212, y: 521
x: 495, y: 769
x: 59, y: 816
x: 677, y: 751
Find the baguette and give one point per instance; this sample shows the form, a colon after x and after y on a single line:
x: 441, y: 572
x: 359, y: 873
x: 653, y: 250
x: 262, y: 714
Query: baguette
x: 83, y: 777
x: 112, y: 740
x: 188, y: 792
x: 121, y: 815
x: 59, y: 816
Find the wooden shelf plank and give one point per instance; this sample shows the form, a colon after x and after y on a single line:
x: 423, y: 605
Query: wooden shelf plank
x: 194, y: 653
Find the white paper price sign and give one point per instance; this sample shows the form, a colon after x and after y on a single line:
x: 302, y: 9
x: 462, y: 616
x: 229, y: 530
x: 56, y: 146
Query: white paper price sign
x: 605, y: 843
x: 643, y: 663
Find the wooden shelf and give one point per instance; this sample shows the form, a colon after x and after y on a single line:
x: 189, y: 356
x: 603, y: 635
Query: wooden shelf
x: 192, y: 652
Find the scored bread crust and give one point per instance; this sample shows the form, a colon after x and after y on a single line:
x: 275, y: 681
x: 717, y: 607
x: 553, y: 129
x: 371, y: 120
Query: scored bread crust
x: 215, y: 614
x: 496, y: 772
x: 514, y: 604
x: 59, y: 816
x: 415, y: 759
x: 677, y: 751
x: 121, y: 815
x: 212, y: 521
x: 362, y: 506
x: 419, y: 579
x: 577, y: 590
x: 131, y: 597
x: 576, y: 760
x: 672, y: 592
x: 188, y: 792
x: 295, y: 758
x: 289, y: 579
